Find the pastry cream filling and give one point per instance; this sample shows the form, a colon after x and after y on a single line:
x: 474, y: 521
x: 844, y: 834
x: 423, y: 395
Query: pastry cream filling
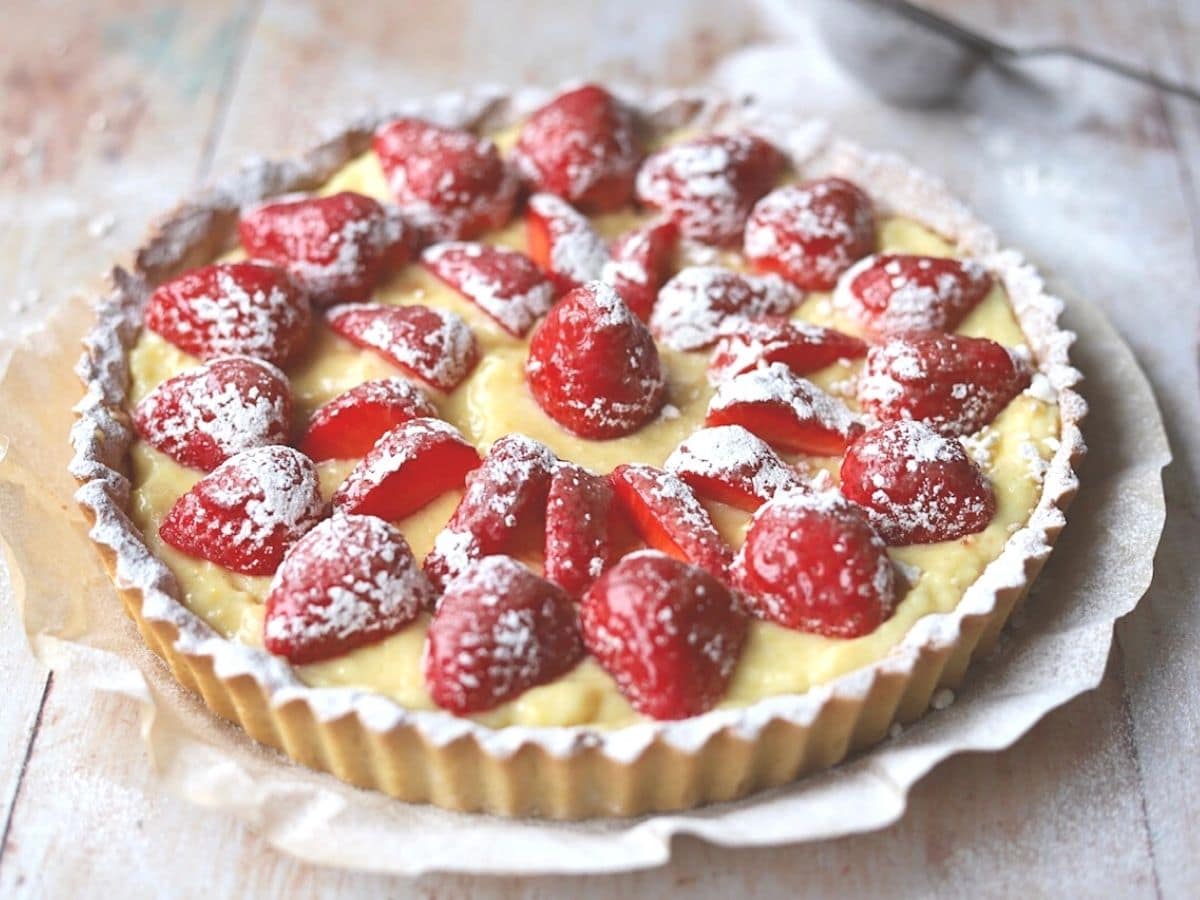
x: 495, y: 401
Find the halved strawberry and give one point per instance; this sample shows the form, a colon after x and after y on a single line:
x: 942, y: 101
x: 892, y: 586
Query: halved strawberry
x: 579, y: 510
x: 501, y: 494
x: 891, y: 293
x: 744, y: 344
x: 956, y: 384
x: 348, y: 426
x: 336, y: 248
x: 407, y: 469
x: 812, y: 562
x: 231, y: 309
x: 498, y: 631
x: 246, y: 514
x: 593, y: 367
x: 434, y: 345
x: 203, y: 416
x: 729, y: 464
x: 666, y: 514
x: 668, y: 632
x: 811, y: 233
x: 918, y: 486
x: 562, y: 241
x: 450, y: 183
x: 349, y: 582
x: 640, y: 262
x: 693, y: 305
x: 708, y: 185
x: 784, y: 410
x: 505, y: 284
x: 583, y: 146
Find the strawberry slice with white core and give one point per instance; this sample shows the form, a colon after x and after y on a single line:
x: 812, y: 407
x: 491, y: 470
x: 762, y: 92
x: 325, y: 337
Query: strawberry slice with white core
x: 640, y: 263
x: 693, y: 305
x: 505, y: 284
x: 579, y: 511
x: 729, y: 464
x: 745, y: 344
x: 348, y: 426
x: 784, y: 410
x: 434, y: 345
x: 408, y: 468
x: 893, y: 293
x: 562, y: 241
x: 350, y: 582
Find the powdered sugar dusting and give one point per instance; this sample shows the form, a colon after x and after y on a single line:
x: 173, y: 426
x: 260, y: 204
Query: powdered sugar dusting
x: 694, y: 304
x: 732, y: 456
x: 776, y: 384
x: 577, y: 252
x: 505, y: 284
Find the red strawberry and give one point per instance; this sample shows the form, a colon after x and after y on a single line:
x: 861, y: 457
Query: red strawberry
x: 578, y: 527
x: 784, y: 410
x: 499, y: 630
x: 231, y: 309
x: 694, y: 304
x: 336, y: 248
x: 708, y: 185
x: 669, y: 633
x: 204, y: 416
x: 593, y: 366
x: 743, y: 344
x: 348, y: 426
x: 434, y: 345
x: 349, y: 582
x: 918, y: 486
x: 811, y: 233
x: 812, y: 562
x: 501, y: 494
x: 892, y: 293
x: 562, y: 241
x: 583, y: 146
x: 247, y: 513
x: 640, y: 262
x: 956, y: 384
x: 731, y: 465
x: 667, y: 515
x: 407, y: 469
x: 505, y: 284
x: 450, y: 183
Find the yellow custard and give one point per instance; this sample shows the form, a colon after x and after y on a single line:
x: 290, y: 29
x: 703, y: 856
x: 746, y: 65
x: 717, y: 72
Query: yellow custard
x: 495, y: 401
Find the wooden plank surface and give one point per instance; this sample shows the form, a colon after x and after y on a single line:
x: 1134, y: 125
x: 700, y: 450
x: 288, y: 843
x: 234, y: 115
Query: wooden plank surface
x: 122, y: 109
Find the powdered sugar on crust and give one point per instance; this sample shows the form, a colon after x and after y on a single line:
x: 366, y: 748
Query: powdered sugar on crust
x: 776, y: 384
x: 693, y: 305
x: 505, y: 284
x: 577, y: 252
x: 732, y: 455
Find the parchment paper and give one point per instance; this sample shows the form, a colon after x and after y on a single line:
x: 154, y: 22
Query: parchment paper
x: 1055, y: 651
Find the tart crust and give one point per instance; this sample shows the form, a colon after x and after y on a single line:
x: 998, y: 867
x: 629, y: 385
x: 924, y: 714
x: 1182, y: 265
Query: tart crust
x: 557, y: 772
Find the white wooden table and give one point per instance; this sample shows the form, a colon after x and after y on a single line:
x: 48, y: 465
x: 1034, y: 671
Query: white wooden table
x: 110, y: 110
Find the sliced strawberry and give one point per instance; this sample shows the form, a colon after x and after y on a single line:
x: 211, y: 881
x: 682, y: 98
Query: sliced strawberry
x: 578, y: 527
x: 812, y: 562
x: 349, y: 582
x: 434, y: 345
x: 640, y: 262
x: 784, y: 410
x: 667, y: 515
x: 892, y: 293
x: 206, y: 415
x: 729, y: 464
x: 669, y: 633
x: 348, y: 426
x: 708, y: 185
x: 562, y: 241
x: 510, y: 487
x: 246, y: 514
x: 505, y: 284
x: 694, y: 304
x: 918, y: 486
x: 407, y: 469
x: 811, y: 233
x: 499, y: 630
x: 232, y: 309
x: 956, y: 384
x: 450, y: 183
x: 336, y: 248
x: 583, y: 146
x: 593, y: 366
x: 744, y: 344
